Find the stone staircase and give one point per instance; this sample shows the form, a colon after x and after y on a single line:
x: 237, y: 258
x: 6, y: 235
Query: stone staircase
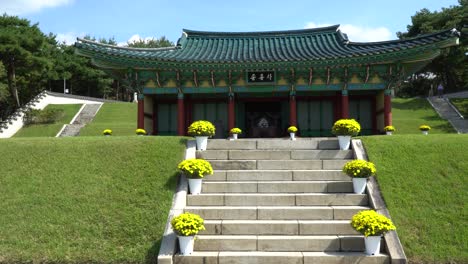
x: 84, y: 117
x: 277, y: 201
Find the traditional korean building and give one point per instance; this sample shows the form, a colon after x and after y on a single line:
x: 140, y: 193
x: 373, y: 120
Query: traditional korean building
x: 263, y: 82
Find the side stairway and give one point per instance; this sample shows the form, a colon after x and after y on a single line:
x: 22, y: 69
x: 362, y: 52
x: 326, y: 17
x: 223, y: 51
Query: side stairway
x: 84, y: 117
x: 277, y: 201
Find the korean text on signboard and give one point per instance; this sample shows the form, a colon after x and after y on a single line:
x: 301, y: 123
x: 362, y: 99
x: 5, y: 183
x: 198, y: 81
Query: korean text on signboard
x: 261, y: 77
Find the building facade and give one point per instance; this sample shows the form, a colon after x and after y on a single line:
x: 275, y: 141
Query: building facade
x: 263, y: 82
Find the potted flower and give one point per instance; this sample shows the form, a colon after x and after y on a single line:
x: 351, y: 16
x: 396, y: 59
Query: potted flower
x: 140, y: 132
x: 201, y: 130
x: 195, y: 170
x: 186, y: 226
x: 234, y: 132
x: 372, y: 225
x: 359, y: 170
x: 344, y: 129
x: 107, y: 132
x: 292, y: 132
x: 389, y: 130
x: 425, y: 129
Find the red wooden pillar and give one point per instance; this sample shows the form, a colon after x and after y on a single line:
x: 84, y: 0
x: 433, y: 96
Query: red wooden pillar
x: 180, y: 115
x: 292, y: 111
x: 387, y: 108
x: 231, y: 112
x: 344, y: 104
x: 141, y: 111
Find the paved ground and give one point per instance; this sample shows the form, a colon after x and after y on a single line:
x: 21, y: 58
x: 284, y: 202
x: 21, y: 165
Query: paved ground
x: 447, y: 111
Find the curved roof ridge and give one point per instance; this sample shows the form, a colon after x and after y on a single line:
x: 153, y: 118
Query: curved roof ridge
x: 190, y: 32
x: 452, y: 31
x: 125, y: 48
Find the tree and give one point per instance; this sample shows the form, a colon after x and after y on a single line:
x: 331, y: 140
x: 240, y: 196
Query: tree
x: 151, y: 43
x: 22, y: 45
x: 451, y: 68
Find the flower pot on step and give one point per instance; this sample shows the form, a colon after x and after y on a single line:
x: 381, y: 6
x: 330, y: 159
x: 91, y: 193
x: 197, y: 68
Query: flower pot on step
x: 202, y: 142
x: 344, y: 142
x: 186, y: 244
x: 372, y: 244
x: 195, y: 186
x: 359, y: 185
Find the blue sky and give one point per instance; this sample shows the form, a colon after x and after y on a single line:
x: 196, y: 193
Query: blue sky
x: 362, y: 20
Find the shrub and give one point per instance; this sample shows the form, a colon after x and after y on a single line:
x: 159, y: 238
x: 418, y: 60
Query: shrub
x: 370, y: 223
x: 187, y: 224
x: 107, y: 132
x: 140, y: 131
x: 201, y: 128
x: 195, y: 168
x: 359, y: 168
x: 424, y: 128
x: 46, y: 116
x: 235, y: 130
x: 292, y: 129
x: 389, y: 128
x: 346, y: 127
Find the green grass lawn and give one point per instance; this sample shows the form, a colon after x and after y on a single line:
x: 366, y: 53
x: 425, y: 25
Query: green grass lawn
x: 50, y: 130
x: 424, y: 183
x: 121, y: 118
x: 461, y: 104
x: 86, y: 199
x: 409, y: 114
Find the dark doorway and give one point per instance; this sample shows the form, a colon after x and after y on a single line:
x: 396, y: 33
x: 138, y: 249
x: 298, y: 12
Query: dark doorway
x: 263, y: 119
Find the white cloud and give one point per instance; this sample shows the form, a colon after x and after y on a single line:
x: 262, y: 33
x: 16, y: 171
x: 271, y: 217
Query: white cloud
x: 133, y: 38
x: 69, y: 38
x: 21, y: 7
x: 359, y: 33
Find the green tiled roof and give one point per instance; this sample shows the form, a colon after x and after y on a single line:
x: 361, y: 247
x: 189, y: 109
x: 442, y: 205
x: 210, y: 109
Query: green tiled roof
x: 307, y: 45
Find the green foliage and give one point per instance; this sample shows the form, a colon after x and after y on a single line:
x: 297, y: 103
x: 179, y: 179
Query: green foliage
x: 424, y: 183
x: 187, y: 224
x: 359, y: 168
x: 151, y: 43
x: 451, y: 67
x: 346, y: 127
x: 86, y: 200
x: 195, y: 168
x: 201, y: 128
x: 45, y: 116
x: 50, y: 130
x: 370, y: 223
x: 461, y: 104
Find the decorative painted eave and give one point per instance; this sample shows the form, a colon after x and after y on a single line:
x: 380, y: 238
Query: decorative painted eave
x: 318, y: 46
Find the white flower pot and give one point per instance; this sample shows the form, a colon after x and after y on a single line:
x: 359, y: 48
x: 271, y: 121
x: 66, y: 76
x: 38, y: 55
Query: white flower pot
x: 389, y: 133
x: 372, y: 245
x: 425, y: 132
x: 359, y: 185
x: 293, y: 136
x: 344, y: 142
x: 186, y: 245
x: 234, y: 136
x: 201, y: 143
x: 195, y: 186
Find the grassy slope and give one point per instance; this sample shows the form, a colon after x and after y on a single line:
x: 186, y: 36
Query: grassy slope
x: 461, y: 104
x: 423, y: 179
x: 119, y: 117
x: 50, y: 130
x: 409, y: 114
x: 81, y: 200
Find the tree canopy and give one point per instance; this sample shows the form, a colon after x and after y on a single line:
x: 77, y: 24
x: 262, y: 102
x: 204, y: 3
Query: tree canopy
x: 451, y: 68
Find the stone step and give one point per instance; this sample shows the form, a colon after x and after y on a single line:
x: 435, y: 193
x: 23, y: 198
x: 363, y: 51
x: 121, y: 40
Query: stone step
x: 275, y: 212
x: 279, y: 243
x: 278, y: 187
x: 260, y: 257
x: 278, y: 164
x: 275, y: 154
x: 273, y: 144
x: 278, y: 175
x: 278, y: 227
x: 276, y: 199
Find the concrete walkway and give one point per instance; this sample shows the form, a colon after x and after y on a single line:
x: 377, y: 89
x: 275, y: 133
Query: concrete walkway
x: 447, y: 111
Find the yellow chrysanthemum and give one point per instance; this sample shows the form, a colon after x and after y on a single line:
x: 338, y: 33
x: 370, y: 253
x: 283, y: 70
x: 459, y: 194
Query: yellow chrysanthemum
x: 346, y: 127
x: 187, y: 224
x: 359, y: 168
x: 195, y: 168
x: 370, y: 223
x: 201, y: 128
